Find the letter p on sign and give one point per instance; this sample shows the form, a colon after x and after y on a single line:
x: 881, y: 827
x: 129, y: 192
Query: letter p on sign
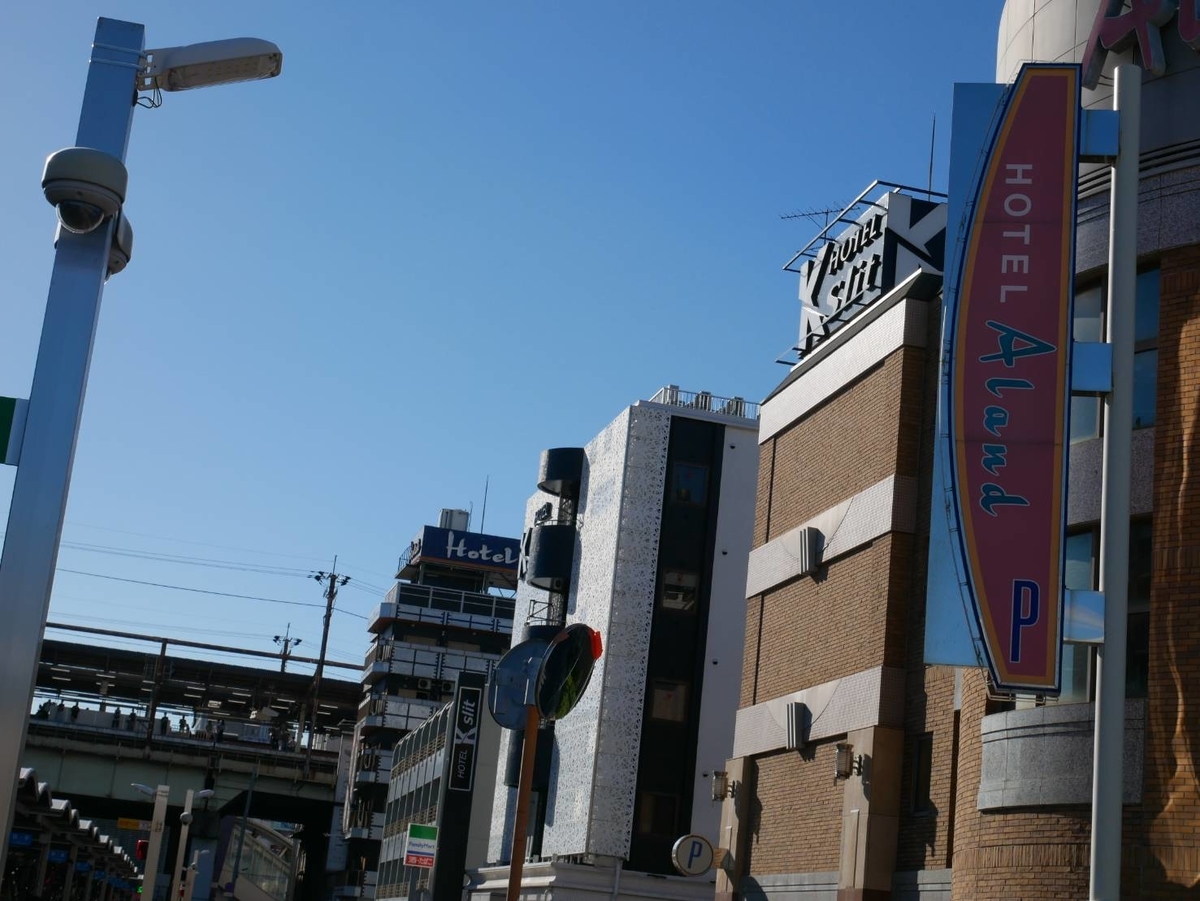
x: 692, y: 855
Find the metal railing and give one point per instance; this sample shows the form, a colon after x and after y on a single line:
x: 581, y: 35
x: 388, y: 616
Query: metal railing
x: 673, y: 396
x: 448, y: 600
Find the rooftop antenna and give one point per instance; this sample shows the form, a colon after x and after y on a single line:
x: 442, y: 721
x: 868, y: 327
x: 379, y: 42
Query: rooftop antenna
x: 483, y: 514
x: 932, y: 139
x: 814, y: 216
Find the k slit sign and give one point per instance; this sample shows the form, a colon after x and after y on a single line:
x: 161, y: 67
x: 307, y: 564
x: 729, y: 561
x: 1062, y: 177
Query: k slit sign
x: 1009, y: 379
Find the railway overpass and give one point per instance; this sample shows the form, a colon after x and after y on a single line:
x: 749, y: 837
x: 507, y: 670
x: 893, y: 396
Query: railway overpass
x: 237, y: 721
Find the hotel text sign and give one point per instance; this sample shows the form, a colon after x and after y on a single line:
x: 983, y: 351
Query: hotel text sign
x: 1141, y: 24
x: 897, y: 236
x: 1009, y: 378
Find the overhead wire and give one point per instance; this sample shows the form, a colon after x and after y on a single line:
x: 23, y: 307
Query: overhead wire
x: 188, y: 560
x: 208, y: 591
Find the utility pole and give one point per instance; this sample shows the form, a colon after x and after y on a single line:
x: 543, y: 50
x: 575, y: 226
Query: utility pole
x: 332, y: 582
x: 287, y: 643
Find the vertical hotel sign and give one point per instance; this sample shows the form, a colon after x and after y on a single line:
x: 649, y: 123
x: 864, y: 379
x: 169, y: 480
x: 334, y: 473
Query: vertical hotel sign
x: 1009, y: 378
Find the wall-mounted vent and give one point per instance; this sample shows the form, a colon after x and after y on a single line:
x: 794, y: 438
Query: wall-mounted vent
x: 808, y: 550
x: 799, y: 719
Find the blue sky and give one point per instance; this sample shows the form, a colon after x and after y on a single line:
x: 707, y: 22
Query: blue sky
x: 451, y: 234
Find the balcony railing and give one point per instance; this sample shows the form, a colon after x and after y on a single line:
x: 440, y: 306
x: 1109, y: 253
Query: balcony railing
x: 423, y: 661
x: 444, y: 600
x: 705, y: 402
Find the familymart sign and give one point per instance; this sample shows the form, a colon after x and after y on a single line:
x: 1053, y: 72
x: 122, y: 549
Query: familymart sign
x: 421, y: 846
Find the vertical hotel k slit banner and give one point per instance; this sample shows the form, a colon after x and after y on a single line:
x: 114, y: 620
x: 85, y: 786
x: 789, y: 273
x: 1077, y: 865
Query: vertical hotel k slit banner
x: 1009, y: 377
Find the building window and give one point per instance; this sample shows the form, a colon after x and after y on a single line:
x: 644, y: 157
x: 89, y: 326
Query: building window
x: 1088, y: 326
x: 1137, y: 648
x: 678, y: 590
x: 1145, y: 360
x: 658, y: 814
x: 1081, y: 572
x: 668, y: 701
x: 922, y: 773
x: 689, y: 484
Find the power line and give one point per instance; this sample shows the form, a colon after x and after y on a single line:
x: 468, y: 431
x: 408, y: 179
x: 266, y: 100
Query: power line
x: 224, y: 547
x: 188, y: 560
x: 223, y: 594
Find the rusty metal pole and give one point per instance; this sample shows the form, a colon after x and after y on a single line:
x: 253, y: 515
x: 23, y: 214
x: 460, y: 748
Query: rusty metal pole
x: 516, y: 856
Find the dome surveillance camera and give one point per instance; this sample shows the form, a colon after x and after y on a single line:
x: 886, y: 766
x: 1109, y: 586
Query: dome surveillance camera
x: 185, y: 819
x: 121, y: 251
x: 85, y: 185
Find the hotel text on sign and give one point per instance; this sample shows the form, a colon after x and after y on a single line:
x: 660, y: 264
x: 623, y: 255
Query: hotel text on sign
x: 1010, y: 350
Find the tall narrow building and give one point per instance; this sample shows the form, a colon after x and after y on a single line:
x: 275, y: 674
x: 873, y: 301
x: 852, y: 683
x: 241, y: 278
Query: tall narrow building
x: 447, y: 614
x: 646, y: 541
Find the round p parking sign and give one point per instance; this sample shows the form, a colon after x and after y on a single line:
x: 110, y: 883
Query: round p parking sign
x: 692, y: 855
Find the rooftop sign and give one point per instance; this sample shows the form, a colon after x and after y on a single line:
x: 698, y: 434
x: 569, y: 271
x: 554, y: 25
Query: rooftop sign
x: 1141, y: 24
x: 897, y: 235
x: 466, y: 549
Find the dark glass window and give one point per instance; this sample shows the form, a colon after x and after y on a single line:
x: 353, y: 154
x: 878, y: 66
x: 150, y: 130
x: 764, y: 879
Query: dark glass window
x: 1088, y: 326
x: 689, y: 484
x: 1137, y: 649
x: 922, y: 773
x: 658, y: 814
x: 1079, y: 573
x: 678, y: 591
x: 1145, y: 388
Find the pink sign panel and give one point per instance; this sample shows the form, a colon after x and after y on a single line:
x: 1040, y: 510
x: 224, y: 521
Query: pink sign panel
x: 1009, y: 379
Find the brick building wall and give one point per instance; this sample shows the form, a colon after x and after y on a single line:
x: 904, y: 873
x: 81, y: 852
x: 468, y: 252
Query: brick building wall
x: 1169, y: 863
x: 836, y: 451
x: 854, y: 615
x: 1026, y: 854
x: 816, y: 630
x: 796, y: 823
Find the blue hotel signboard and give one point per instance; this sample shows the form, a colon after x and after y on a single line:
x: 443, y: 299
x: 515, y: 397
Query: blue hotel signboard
x: 471, y: 549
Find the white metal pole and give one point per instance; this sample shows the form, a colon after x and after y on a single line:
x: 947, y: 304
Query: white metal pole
x: 180, y: 855
x: 43, y: 477
x: 156, y: 836
x: 1108, y: 759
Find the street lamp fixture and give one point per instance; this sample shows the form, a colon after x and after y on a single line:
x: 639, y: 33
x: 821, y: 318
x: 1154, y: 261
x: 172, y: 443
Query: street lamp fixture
x: 210, y: 63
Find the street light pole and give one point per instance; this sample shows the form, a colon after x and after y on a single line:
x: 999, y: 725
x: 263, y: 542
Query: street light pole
x: 1108, y: 780
x: 157, y: 825
x: 185, y: 822
x: 43, y: 477
x: 90, y: 213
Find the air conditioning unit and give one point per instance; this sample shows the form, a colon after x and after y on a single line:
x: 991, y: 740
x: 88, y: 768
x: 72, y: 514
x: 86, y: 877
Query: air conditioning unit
x: 447, y: 685
x: 799, y: 719
x: 808, y: 552
x: 424, y: 684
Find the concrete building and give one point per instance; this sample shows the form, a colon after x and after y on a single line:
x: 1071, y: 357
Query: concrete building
x: 443, y: 617
x: 444, y: 776
x: 643, y: 536
x: 908, y: 780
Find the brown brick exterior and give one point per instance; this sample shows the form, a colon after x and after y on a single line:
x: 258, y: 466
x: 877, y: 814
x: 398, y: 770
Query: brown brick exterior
x: 796, y: 821
x: 1027, y: 854
x: 861, y: 612
x: 854, y: 615
x: 1170, y: 852
x: 847, y: 445
x: 793, y: 647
